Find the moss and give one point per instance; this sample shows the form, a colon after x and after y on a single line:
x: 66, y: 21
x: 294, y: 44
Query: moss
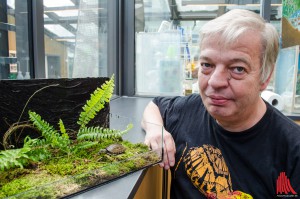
x: 112, y: 169
x: 140, y: 163
x: 27, y: 182
x: 2, y: 195
x: 60, y: 169
x: 6, y: 177
x: 87, y: 168
x: 130, y: 165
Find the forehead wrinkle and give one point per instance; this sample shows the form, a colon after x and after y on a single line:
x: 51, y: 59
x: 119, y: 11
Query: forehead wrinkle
x: 241, y: 59
x: 205, y: 57
x: 233, y: 60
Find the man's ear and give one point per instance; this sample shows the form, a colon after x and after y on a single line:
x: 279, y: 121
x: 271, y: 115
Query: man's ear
x: 265, y: 83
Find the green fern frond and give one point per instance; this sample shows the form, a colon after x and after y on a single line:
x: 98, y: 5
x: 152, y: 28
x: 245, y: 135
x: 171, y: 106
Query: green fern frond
x: 96, y: 103
x: 50, y: 134
x: 99, y: 133
x: 61, y: 126
x: 47, y: 130
x: 34, y: 143
x: 39, y: 148
x: 88, y: 130
x: 63, y: 130
x: 14, y: 158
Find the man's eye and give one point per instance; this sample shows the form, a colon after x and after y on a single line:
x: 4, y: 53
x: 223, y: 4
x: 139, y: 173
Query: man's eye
x: 238, y: 70
x: 205, y: 65
x: 206, y: 68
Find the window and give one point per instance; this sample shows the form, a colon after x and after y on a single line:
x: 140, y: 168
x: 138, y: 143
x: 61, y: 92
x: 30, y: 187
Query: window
x: 168, y: 30
x: 75, y: 38
x: 54, y: 39
x: 14, y: 37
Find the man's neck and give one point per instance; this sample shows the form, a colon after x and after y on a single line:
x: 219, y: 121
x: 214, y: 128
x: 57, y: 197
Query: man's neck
x: 246, y: 121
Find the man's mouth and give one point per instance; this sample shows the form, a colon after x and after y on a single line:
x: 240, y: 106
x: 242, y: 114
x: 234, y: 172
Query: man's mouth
x: 217, y: 100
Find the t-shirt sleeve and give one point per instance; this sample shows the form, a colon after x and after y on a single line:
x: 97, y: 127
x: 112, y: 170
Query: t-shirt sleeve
x: 170, y: 109
x: 295, y: 179
x: 293, y: 160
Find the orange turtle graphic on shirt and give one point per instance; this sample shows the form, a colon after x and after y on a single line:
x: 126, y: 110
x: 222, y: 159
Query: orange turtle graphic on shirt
x: 209, y: 173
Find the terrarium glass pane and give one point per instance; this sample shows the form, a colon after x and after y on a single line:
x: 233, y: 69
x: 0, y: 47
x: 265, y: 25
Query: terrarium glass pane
x: 286, y: 76
x: 109, y: 159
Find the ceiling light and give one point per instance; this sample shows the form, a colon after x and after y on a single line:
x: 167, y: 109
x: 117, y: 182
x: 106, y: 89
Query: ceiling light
x: 202, y: 2
x: 58, y: 3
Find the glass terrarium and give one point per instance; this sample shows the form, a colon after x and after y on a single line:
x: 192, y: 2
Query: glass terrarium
x: 48, y: 155
x: 287, y: 79
x: 61, y: 176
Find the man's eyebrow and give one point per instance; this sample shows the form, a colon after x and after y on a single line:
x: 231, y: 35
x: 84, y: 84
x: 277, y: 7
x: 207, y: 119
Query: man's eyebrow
x: 244, y: 60
x: 205, y: 57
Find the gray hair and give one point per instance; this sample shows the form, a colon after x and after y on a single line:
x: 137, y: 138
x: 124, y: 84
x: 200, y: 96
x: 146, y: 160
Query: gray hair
x: 231, y: 25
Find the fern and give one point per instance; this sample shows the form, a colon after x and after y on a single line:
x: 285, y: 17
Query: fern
x: 51, y: 136
x: 33, y: 149
x: 99, y: 133
x: 39, y: 149
x: 62, y: 126
x: 14, y: 158
x: 96, y: 103
x: 63, y: 130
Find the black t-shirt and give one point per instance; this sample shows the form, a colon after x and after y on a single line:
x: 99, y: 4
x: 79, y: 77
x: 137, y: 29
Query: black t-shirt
x: 262, y: 162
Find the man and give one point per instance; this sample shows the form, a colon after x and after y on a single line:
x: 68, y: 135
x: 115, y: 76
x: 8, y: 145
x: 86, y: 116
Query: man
x: 228, y: 141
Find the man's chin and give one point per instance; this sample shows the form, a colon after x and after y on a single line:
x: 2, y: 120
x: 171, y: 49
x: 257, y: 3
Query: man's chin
x: 219, y: 112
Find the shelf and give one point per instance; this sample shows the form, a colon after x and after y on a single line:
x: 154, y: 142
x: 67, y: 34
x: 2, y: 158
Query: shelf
x: 7, y: 27
x: 8, y: 60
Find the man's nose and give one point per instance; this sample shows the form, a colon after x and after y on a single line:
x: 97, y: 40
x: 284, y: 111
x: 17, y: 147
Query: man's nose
x: 219, y: 78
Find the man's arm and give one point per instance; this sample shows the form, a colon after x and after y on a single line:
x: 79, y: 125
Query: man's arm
x: 154, y: 136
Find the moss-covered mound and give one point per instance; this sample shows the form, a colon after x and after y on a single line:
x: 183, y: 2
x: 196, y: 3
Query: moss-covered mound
x: 64, y: 175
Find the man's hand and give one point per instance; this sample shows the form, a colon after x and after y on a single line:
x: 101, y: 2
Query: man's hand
x: 157, y: 137
x: 154, y: 140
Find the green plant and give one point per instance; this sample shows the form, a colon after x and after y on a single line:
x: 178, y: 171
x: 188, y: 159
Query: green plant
x: 96, y: 103
x: 51, y: 136
x: 53, y: 140
x: 100, y: 133
x: 14, y: 157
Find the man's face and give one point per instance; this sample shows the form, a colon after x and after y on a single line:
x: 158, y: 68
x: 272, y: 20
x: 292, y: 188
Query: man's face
x: 229, y: 77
